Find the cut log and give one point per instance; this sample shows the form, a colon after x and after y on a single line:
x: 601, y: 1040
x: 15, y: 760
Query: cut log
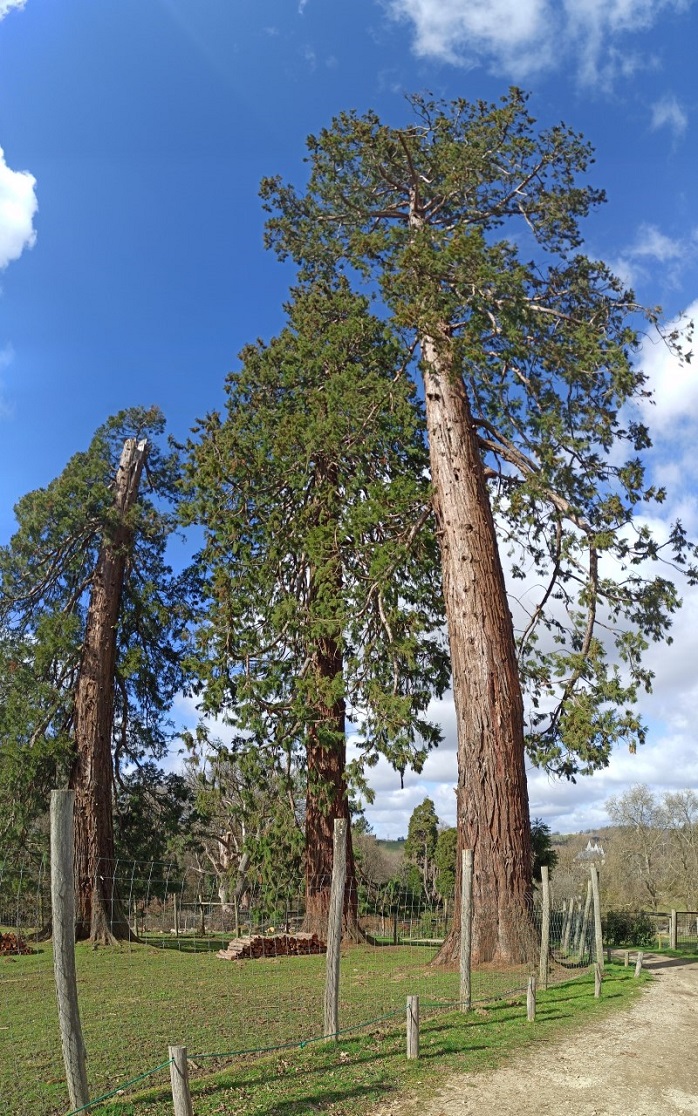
x: 272, y: 945
x: 12, y: 944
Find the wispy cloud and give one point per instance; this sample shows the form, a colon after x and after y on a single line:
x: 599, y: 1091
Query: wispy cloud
x: 8, y: 5
x: 17, y: 208
x: 651, y: 245
x: 524, y: 37
x: 667, y: 113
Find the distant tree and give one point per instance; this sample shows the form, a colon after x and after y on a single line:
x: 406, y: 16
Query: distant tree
x: 150, y: 809
x: 91, y: 619
x: 445, y: 861
x: 420, y: 846
x: 318, y: 562
x: 248, y: 821
x: 680, y: 810
x: 640, y: 844
x: 465, y: 223
x: 544, y: 855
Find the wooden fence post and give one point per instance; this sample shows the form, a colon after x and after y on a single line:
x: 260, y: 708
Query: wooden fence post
x: 334, y: 928
x: 598, y: 977
x: 531, y: 998
x: 63, y: 915
x: 413, y: 1026
x: 565, y: 924
x: 466, y: 927
x: 585, y: 920
x: 545, y: 927
x: 626, y: 958
x: 598, y: 934
x: 673, y: 930
x: 179, y: 1077
x: 638, y: 964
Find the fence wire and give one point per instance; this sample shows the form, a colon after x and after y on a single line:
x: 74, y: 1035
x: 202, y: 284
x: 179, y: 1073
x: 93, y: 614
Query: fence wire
x: 165, y: 984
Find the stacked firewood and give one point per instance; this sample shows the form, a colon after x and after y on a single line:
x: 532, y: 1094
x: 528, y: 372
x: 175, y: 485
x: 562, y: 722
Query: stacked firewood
x: 272, y: 945
x: 10, y: 943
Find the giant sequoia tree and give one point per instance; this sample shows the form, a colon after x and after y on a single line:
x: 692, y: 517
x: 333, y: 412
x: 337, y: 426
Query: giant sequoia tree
x: 466, y: 221
x: 323, y: 607
x: 89, y: 616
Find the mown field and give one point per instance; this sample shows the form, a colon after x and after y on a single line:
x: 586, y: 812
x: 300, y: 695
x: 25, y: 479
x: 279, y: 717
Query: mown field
x: 137, y: 1000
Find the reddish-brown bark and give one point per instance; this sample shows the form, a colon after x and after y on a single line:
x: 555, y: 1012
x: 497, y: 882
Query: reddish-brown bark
x: 492, y: 796
x: 327, y: 799
x: 99, y: 914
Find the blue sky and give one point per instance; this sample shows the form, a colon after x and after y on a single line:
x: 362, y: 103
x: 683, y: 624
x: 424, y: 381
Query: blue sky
x: 134, y: 136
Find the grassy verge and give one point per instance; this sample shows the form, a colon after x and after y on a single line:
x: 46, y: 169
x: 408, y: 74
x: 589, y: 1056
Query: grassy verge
x: 358, y: 1073
x: 134, y: 1002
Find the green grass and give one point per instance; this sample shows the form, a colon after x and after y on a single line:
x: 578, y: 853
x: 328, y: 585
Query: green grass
x: 136, y: 1001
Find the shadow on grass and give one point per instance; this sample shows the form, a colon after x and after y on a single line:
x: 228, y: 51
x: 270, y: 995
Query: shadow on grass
x: 373, y: 1056
x: 185, y: 945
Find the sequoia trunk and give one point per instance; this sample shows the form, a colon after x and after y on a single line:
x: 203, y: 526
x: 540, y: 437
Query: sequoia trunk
x: 98, y: 909
x: 327, y: 799
x: 492, y: 796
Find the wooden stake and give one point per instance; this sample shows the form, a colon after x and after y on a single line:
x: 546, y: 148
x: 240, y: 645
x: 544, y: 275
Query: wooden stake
x: 413, y: 1026
x: 673, y: 931
x: 545, y: 927
x: 598, y: 934
x: 638, y: 964
x: 466, y: 927
x: 179, y: 1077
x: 585, y: 920
x: 531, y: 998
x: 334, y: 928
x: 598, y: 977
x: 63, y: 913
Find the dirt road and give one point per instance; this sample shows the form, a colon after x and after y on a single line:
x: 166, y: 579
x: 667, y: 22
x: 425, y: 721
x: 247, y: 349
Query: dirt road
x: 638, y: 1062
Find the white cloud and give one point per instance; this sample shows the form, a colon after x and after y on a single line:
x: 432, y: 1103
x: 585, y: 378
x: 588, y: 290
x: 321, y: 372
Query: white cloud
x: 652, y: 245
x: 522, y: 37
x: 18, y: 205
x: 8, y: 5
x: 674, y: 385
x: 505, y: 31
x: 667, y: 113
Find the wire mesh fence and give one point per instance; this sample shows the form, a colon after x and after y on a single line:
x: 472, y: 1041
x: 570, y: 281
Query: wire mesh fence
x: 228, y: 973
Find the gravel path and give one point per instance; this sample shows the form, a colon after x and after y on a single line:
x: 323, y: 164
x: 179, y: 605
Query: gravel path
x: 638, y: 1062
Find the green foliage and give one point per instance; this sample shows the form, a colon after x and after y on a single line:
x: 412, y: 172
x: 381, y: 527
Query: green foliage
x: 628, y: 928
x: 541, y: 846
x: 420, y: 846
x: 465, y: 223
x: 45, y: 577
x: 150, y: 809
x: 320, y: 591
x: 248, y: 818
x: 445, y: 860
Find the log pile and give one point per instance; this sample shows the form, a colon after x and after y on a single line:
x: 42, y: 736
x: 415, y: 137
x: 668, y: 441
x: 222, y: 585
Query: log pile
x: 11, y: 944
x: 276, y: 945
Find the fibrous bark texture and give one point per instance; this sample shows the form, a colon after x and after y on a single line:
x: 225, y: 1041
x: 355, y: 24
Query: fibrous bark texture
x: 99, y: 913
x: 492, y: 797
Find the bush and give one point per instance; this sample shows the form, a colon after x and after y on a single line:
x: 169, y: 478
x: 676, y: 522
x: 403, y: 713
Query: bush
x: 632, y: 928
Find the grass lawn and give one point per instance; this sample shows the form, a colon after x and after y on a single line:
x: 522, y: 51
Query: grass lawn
x: 137, y: 1000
